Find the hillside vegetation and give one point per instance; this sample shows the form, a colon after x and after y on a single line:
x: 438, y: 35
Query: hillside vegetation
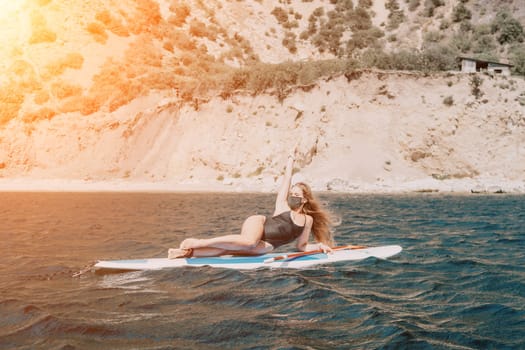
x: 89, y: 56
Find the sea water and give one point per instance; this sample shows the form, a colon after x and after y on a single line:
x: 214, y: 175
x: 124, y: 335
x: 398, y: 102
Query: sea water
x: 459, y: 283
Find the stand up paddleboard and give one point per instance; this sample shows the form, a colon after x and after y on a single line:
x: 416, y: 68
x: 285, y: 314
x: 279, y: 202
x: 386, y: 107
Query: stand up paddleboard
x: 273, y: 260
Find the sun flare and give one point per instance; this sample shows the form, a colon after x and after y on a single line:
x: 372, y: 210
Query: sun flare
x: 9, y: 8
x: 11, y: 23
x: 11, y: 29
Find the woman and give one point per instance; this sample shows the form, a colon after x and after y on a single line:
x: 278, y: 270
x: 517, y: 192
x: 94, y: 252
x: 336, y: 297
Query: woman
x: 296, y: 215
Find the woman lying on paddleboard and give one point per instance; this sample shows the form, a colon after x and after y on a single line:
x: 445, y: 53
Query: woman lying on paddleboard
x: 296, y: 215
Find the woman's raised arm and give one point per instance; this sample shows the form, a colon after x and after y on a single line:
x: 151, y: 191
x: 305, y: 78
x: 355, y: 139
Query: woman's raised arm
x: 281, y: 204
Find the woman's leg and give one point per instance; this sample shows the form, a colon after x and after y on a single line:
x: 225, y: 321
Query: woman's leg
x: 247, y: 240
x: 261, y: 248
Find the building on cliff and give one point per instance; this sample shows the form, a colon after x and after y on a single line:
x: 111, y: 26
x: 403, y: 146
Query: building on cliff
x: 473, y: 65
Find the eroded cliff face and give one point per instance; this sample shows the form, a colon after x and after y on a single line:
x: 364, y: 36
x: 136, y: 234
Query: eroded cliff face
x: 371, y: 129
x: 143, y: 91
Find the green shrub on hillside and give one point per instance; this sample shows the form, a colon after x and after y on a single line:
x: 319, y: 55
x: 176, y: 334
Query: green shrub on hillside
x: 465, y: 26
x: 199, y: 29
x: 517, y: 58
x: 511, y: 32
x: 365, y: 4
x: 461, y: 42
x: 444, y: 24
x: 359, y: 19
x: 438, y: 58
x: 330, y: 33
x: 448, y: 101
x: 484, y: 44
x: 430, y: 6
x: 312, y: 23
x: 98, y: 32
x: 279, y: 78
x: 481, y: 30
x: 289, y: 42
x: 113, y: 24
x: 180, y: 12
x: 400, y: 60
x: 280, y: 14
x: 392, y: 5
x: 413, y: 4
x: 508, y: 28
x: 475, y: 86
x: 432, y: 37
x: 460, y: 13
x: 348, y: 5
x: 482, y: 40
x: 363, y: 39
x: 318, y: 12
x: 72, y: 60
x: 327, y: 29
x: 396, y: 16
x: 434, y: 58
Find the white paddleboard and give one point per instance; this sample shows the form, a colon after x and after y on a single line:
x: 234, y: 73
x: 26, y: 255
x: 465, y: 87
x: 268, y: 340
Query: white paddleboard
x: 251, y: 262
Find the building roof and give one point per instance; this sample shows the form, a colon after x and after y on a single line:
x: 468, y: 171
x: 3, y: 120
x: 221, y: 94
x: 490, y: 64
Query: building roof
x: 485, y: 61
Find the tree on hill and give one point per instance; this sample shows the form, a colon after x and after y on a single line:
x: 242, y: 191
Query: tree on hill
x: 461, y: 13
x: 517, y: 55
x: 508, y: 28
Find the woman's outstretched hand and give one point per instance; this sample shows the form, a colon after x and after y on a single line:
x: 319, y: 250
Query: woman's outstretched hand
x: 325, y: 248
x: 293, y: 151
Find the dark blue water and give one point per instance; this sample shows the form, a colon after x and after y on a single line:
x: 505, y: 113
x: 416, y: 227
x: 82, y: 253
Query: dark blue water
x: 458, y: 284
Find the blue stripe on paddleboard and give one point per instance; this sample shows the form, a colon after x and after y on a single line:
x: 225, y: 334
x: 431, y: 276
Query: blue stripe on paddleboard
x: 246, y: 259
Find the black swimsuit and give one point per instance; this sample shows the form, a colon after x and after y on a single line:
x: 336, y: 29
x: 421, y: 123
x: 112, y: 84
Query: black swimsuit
x: 280, y: 229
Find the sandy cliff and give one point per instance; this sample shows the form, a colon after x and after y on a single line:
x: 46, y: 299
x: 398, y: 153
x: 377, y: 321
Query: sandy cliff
x: 377, y: 131
x: 127, y: 95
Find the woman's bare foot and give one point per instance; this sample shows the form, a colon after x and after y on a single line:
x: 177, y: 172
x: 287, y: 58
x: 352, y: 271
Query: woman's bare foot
x: 174, y: 253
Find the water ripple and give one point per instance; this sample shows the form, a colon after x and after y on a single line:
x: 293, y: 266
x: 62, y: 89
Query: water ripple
x: 458, y: 284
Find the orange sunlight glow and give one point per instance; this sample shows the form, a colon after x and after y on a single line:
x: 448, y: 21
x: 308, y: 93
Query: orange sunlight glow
x: 11, y: 24
x: 9, y: 6
x: 10, y: 31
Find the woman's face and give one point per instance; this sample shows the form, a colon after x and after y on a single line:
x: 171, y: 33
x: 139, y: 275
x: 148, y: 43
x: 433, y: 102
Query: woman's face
x: 296, y: 191
x: 296, y: 198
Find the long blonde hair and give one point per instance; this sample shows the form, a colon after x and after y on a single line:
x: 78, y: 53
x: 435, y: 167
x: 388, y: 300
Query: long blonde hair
x: 322, y: 222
